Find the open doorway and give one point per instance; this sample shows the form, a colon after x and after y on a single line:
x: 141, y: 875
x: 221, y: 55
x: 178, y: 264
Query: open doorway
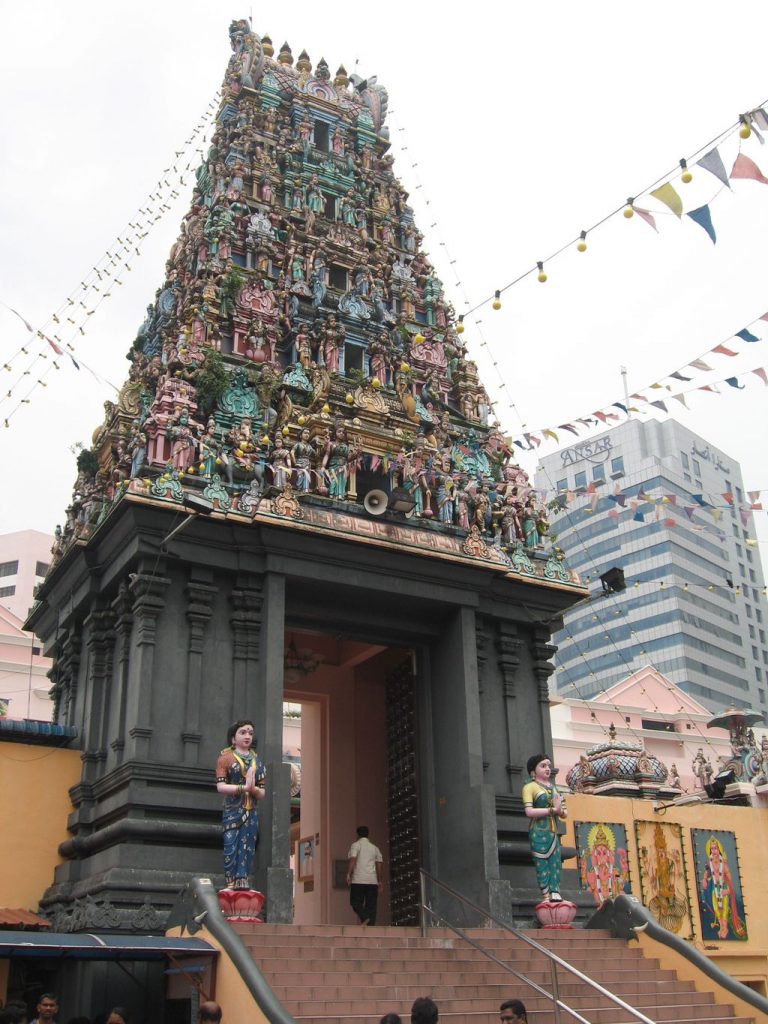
x: 350, y: 729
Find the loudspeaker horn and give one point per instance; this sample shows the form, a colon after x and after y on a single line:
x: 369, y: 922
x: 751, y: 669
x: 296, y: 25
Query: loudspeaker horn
x: 375, y: 503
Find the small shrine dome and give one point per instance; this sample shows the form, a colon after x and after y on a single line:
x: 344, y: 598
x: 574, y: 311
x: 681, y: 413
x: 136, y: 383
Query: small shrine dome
x: 621, y: 769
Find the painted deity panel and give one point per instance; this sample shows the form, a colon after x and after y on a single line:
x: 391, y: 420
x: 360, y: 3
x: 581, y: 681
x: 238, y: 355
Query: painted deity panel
x: 603, y: 863
x: 663, y: 883
x: 718, y: 885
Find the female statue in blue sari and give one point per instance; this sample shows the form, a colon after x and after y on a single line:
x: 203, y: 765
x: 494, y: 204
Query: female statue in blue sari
x: 544, y: 805
x: 240, y: 780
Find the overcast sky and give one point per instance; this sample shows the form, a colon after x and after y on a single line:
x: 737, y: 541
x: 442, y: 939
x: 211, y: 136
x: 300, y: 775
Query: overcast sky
x: 527, y: 123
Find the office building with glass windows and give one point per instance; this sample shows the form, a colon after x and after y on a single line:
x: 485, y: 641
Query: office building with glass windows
x: 669, y: 509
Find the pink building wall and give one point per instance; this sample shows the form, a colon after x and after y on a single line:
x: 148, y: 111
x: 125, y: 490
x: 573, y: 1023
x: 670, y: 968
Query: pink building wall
x: 646, y: 695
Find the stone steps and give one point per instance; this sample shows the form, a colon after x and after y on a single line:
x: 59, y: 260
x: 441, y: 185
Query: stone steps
x: 347, y: 974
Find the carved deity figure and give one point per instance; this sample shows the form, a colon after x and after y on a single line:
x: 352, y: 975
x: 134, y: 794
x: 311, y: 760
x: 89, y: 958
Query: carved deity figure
x: 544, y: 806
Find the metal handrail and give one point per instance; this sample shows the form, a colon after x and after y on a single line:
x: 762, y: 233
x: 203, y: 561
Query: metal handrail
x: 554, y: 960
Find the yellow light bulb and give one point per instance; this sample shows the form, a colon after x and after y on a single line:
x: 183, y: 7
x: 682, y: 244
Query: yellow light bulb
x: 286, y: 431
x: 581, y: 245
x: 349, y: 398
x: 459, y: 327
x: 628, y: 212
x: 265, y: 439
x: 405, y: 367
x: 496, y: 300
x: 419, y: 339
x: 542, y: 276
x: 375, y: 383
x: 326, y: 408
x: 302, y: 420
x: 686, y: 177
x: 745, y: 131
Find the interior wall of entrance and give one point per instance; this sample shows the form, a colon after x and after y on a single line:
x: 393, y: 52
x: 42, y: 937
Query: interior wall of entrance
x: 343, y: 770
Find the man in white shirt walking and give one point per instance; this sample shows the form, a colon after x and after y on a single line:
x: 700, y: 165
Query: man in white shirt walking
x: 364, y: 867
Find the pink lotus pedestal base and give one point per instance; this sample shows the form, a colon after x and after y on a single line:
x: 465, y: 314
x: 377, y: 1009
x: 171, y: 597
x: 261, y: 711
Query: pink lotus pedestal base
x: 558, y: 914
x: 241, y: 904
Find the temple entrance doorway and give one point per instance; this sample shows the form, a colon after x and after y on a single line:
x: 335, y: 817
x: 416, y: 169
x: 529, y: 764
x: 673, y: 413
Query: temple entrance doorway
x: 350, y: 730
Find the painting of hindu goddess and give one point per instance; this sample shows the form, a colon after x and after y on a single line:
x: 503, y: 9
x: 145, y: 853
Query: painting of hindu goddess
x: 718, y: 885
x: 663, y: 882
x: 603, y: 865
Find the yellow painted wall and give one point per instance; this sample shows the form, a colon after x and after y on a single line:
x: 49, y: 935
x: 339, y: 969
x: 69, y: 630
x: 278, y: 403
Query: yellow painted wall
x: 34, y: 805
x: 746, y: 961
x: 231, y: 992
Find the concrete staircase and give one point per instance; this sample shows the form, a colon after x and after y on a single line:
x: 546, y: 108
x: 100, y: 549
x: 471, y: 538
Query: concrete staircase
x: 347, y: 974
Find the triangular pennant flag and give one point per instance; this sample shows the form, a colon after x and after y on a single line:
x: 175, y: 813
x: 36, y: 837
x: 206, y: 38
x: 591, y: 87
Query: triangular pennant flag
x: 760, y: 372
x: 708, y: 387
x: 700, y: 499
x: 672, y: 499
x: 681, y: 399
x: 591, y: 487
x: 74, y: 361
x: 612, y: 416
x: 660, y: 405
x: 728, y: 497
x: 744, y: 167
x: 54, y: 346
x: 532, y: 438
x: 753, y: 496
x: 734, y: 382
x: 703, y: 218
x: 712, y: 162
x: 723, y: 351
x: 601, y: 416
x: 746, y: 335
x: 620, y: 405
x: 633, y: 506
x: 568, y: 426
x: 550, y: 433
x: 669, y: 523
x: 666, y: 194
x: 716, y: 514
x: 699, y: 364
x: 744, y: 516
x: 640, y: 398
x: 621, y: 499
x: 689, y: 510
x: 678, y: 376
x: 657, y: 386
x: 519, y: 444
x: 587, y: 421
x: 613, y: 514
x: 638, y: 517
x: 763, y: 317
x: 647, y: 217
x: 641, y: 495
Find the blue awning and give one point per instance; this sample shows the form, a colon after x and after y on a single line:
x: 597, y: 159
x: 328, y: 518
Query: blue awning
x: 15, y: 945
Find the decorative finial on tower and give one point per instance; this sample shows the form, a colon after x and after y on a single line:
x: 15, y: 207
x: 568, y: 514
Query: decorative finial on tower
x: 267, y: 47
x: 304, y: 63
x: 342, y: 79
x: 285, y: 56
x: 322, y: 70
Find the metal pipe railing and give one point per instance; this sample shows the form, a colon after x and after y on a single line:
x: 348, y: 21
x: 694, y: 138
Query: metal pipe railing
x: 554, y: 959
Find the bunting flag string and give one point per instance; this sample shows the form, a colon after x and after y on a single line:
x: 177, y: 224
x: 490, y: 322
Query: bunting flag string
x: 664, y: 192
x: 530, y: 439
x: 709, y: 159
x: 95, y: 286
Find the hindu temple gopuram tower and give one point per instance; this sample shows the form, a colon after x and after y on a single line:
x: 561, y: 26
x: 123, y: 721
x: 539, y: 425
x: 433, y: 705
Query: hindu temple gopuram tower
x: 300, y: 494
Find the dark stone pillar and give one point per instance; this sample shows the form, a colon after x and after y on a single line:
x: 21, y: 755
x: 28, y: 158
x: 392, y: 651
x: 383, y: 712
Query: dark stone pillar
x: 100, y: 643
x: 508, y: 646
x: 200, y: 595
x: 464, y: 854
x: 273, y: 874
x: 148, y: 589
x: 122, y: 606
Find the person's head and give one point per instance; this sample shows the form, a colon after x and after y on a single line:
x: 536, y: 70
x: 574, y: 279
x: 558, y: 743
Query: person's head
x: 48, y: 1007
x: 391, y: 1018
x: 424, y: 1011
x: 241, y: 733
x: 512, y: 1011
x: 210, y: 1011
x: 539, y: 766
x: 119, y: 1015
x: 363, y: 831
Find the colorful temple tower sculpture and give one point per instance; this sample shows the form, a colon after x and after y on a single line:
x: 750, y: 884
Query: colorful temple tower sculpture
x: 300, y: 380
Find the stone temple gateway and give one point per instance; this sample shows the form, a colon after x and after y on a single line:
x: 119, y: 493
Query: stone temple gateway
x: 302, y: 449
